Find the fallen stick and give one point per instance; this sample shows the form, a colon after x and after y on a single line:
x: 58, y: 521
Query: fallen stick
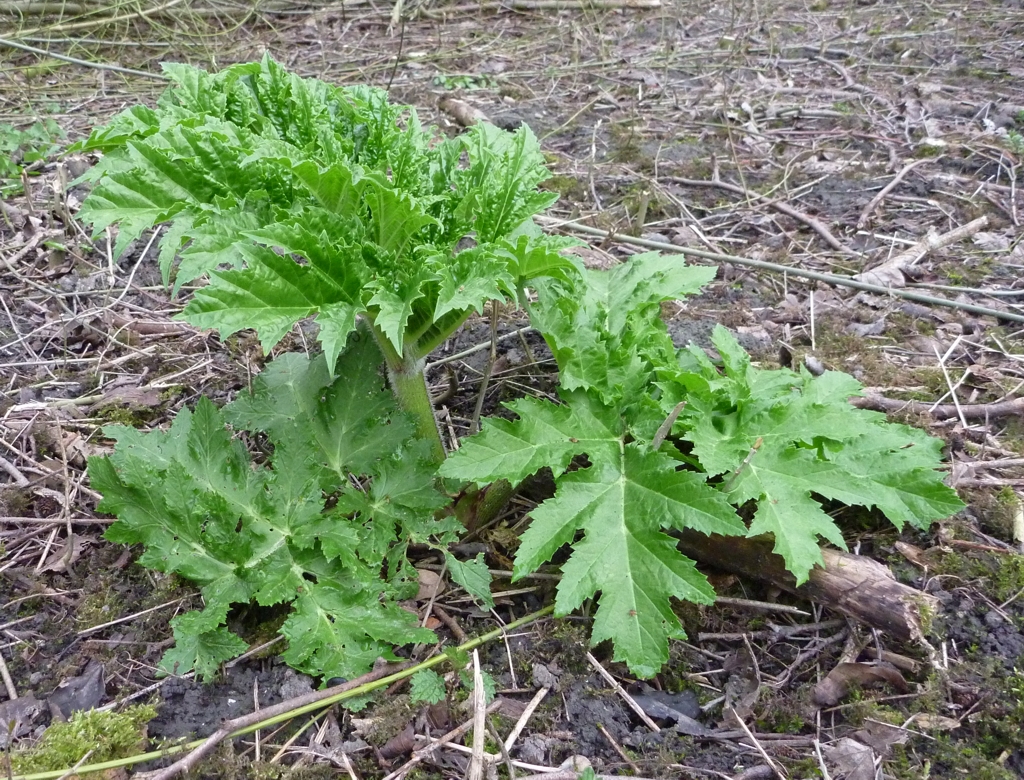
x: 229, y: 727
x: 309, y: 702
x: 779, y: 206
x: 855, y: 585
x: 890, y: 273
x: 991, y: 411
x: 537, y: 5
x: 721, y: 257
x: 865, y: 215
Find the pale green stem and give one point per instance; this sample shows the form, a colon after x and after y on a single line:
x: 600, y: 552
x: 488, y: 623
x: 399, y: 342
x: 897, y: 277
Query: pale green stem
x: 410, y: 387
x: 430, y: 338
x: 319, y: 705
x: 409, y: 384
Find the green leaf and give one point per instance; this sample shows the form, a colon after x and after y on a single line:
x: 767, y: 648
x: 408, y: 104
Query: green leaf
x: 285, y: 392
x: 457, y: 657
x: 504, y: 173
x: 132, y: 124
x: 473, y: 576
x: 546, y: 435
x: 490, y: 687
x: 781, y: 439
x: 905, y: 494
x: 396, y: 217
x: 261, y: 532
x: 476, y: 276
x: 359, y: 209
x: 337, y: 321
x: 171, y: 243
x: 394, y: 305
x: 201, y: 644
x: 336, y: 631
x: 334, y: 188
x: 782, y: 482
x: 427, y: 686
x: 214, y: 243
x: 128, y: 199
x: 538, y: 256
x: 620, y: 503
x: 605, y: 332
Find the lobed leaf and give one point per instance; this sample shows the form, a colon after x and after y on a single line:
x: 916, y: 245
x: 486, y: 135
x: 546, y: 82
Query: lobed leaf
x: 302, y: 199
x: 264, y: 532
x: 782, y: 438
x: 620, y: 502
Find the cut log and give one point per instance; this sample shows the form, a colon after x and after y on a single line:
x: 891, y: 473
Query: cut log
x: 859, y: 587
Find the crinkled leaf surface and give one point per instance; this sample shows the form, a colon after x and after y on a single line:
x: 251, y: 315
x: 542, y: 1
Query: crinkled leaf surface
x: 781, y: 438
x: 427, y: 686
x: 622, y: 503
x: 260, y: 531
x: 605, y: 331
x: 302, y: 199
x: 201, y: 643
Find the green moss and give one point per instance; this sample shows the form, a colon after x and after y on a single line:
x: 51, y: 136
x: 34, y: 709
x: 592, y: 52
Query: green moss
x: 568, y: 187
x: 996, y: 511
x: 108, y: 735
x: 846, y: 352
x: 932, y: 382
x: 573, y: 642
x: 954, y: 758
x: 804, y: 768
x: 627, y: 146
x: 99, y: 607
x: 998, y: 576
x: 123, y: 415
x: 389, y: 719
x: 778, y: 722
x: 899, y: 325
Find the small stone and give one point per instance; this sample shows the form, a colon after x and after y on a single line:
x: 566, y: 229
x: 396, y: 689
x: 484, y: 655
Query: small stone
x: 534, y: 749
x: 543, y: 678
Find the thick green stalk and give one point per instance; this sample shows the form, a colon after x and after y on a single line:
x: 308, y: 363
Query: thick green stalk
x: 410, y: 387
x: 409, y: 384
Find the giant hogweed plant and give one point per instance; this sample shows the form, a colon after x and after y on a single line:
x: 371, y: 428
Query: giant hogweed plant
x: 298, y: 199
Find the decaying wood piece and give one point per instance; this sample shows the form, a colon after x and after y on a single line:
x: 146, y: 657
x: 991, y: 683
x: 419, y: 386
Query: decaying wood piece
x: 462, y: 112
x: 855, y: 585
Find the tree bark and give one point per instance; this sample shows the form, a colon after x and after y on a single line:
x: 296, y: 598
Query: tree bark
x: 855, y: 585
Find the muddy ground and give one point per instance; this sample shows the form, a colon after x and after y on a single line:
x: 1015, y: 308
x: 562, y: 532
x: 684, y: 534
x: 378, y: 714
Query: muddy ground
x: 759, y: 130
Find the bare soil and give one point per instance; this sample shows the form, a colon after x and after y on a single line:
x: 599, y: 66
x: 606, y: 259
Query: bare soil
x: 806, y: 111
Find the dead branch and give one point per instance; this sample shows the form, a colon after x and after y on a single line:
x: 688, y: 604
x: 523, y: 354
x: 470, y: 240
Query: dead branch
x: 462, y: 112
x: 865, y: 215
x: 890, y: 273
x: 779, y: 206
x: 803, y: 273
x: 537, y: 5
x: 991, y: 411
